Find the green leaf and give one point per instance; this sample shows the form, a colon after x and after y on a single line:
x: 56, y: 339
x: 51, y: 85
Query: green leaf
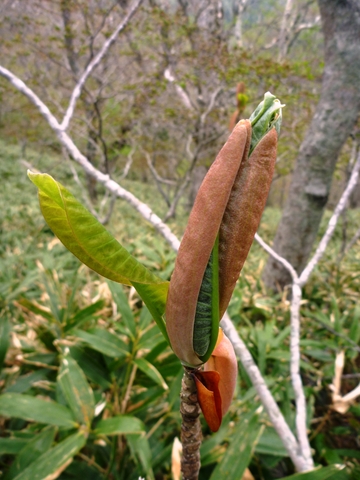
x: 270, y: 444
x: 85, y: 237
x: 83, y: 315
x: 210, y: 287
x: 210, y: 449
x: 119, y: 425
x: 123, y: 306
x: 12, y: 445
x: 80, y: 469
x: 92, y: 244
x: 321, y: 473
x: 268, y: 114
x: 154, y: 297
x: 35, y: 447
x: 76, y: 390
x: 139, y: 445
x: 5, y: 328
x: 25, y: 382
x: 35, y: 409
x: 104, y: 342
x: 51, y: 463
x: 238, y: 454
x: 90, y: 363
x: 37, y: 309
x: 151, y: 372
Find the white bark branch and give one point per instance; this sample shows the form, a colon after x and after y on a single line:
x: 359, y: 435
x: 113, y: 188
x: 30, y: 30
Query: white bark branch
x: 300, y: 401
x: 284, y: 30
x: 128, y: 164
x: 298, y: 283
x: 179, y: 90
x: 144, y: 210
x: 308, y: 25
x: 277, y: 257
x: 290, y: 443
x: 305, y: 274
x: 94, y: 63
x: 211, y: 105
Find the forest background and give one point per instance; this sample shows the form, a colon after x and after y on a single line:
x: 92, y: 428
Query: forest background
x: 152, y: 116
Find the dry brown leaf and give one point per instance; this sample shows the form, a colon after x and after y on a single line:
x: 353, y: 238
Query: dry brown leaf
x: 176, y: 459
x: 247, y: 475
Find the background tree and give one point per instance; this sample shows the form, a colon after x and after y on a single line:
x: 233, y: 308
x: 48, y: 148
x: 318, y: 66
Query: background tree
x: 335, y: 117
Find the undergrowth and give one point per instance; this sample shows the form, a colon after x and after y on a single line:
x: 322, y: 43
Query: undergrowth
x: 54, y: 312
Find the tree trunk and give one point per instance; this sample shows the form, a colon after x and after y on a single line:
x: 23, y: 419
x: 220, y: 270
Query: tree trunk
x: 336, y: 114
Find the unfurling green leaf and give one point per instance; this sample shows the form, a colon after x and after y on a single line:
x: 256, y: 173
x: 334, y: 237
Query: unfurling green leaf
x: 268, y: 114
x: 91, y: 243
x: 207, y: 308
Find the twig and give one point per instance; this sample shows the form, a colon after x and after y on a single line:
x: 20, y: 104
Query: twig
x: 298, y: 283
x: 305, y: 274
x: 106, y: 218
x: 300, y: 401
x: 128, y: 164
x: 277, y: 257
x: 342, y: 404
x: 211, y: 105
x: 94, y: 63
x: 157, y: 178
x: 144, y: 210
x: 289, y: 441
x: 179, y: 90
x: 352, y: 242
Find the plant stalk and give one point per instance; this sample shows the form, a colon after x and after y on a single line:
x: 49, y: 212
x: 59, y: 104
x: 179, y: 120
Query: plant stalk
x: 190, y: 428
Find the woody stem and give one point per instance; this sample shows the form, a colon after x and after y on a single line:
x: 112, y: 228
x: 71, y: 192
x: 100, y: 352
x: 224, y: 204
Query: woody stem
x: 190, y: 428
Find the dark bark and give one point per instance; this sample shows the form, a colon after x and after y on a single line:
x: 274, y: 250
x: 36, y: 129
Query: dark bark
x: 335, y: 117
x: 191, y: 436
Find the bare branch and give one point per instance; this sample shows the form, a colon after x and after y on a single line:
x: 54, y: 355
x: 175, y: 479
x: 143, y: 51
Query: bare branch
x: 180, y: 91
x: 277, y: 257
x: 308, y: 25
x: 275, y: 415
x: 332, y: 224
x: 342, y: 404
x: 298, y: 282
x: 352, y: 242
x: 296, y: 381
x: 94, y: 63
x: 300, y: 401
x: 157, y: 179
x: 284, y: 31
x: 154, y: 171
x: 128, y: 164
x: 211, y: 105
x: 144, y: 210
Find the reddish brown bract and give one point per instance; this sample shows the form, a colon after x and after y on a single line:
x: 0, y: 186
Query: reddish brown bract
x: 198, y: 241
